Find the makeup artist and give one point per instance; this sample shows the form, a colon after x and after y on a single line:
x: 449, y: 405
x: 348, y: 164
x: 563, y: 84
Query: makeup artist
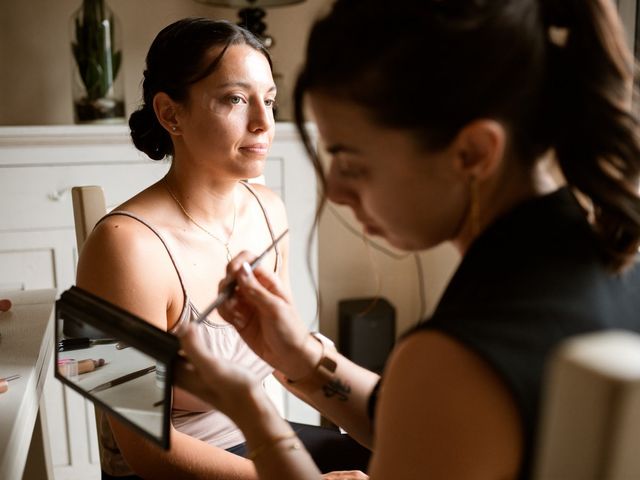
x: 208, y: 98
x: 440, y: 119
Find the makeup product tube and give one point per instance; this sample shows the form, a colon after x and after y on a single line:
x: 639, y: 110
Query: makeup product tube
x: 89, y: 365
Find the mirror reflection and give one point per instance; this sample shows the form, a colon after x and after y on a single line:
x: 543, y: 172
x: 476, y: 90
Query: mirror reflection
x: 115, y: 375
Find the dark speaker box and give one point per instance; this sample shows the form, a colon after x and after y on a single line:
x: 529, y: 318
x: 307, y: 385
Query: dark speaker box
x: 366, y: 331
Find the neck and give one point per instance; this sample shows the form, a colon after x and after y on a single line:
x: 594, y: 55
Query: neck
x: 208, y: 201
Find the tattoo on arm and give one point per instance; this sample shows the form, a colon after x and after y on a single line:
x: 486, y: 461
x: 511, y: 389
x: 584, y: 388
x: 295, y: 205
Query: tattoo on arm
x: 338, y: 389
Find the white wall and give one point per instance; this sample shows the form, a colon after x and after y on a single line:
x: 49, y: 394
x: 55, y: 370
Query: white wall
x: 350, y: 269
x: 35, y: 89
x: 35, y: 58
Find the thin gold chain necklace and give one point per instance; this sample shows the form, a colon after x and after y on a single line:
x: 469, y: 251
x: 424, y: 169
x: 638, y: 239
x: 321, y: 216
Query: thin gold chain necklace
x: 215, y: 237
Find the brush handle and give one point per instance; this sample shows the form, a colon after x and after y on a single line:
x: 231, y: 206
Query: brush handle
x: 228, y: 291
x: 4, y: 382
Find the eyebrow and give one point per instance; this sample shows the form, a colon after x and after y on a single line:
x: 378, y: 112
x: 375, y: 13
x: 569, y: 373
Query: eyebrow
x: 340, y: 148
x: 244, y: 85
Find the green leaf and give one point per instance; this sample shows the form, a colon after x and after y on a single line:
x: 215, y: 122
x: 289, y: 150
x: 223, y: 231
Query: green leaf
x: 98, y: 65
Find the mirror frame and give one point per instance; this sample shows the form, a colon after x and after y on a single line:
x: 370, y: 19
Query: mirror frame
x: 79, y: 305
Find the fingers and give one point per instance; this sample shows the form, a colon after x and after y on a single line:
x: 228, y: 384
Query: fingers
x: 346, y: 475
x: 233, y: 267
x: 271, y: 282
x: 185, y: 375
x: 263, y: 279
x: 195, y: 349
x: 5, y: 305
x: 258, y: 292
x: 242, y: 263
x: 229, y: 310
x: 259, y: 295
x: 236, y: 262
x: 193, y: 380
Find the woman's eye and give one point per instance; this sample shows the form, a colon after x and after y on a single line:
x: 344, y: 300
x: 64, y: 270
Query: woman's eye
x: 352, y: 174
x: 347, y: 170
x: 235, y: 100
x: 270, y: 102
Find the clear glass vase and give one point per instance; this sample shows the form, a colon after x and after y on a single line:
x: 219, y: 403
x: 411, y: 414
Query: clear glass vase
x: 96, y: 57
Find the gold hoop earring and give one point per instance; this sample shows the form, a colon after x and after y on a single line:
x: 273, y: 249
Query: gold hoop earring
x: 474, y: 207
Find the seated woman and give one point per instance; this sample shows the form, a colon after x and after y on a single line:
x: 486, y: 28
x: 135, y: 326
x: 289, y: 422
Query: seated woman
x: 208, y: 98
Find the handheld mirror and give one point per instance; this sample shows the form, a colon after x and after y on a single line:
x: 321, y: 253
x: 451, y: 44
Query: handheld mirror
x: 125, y: 367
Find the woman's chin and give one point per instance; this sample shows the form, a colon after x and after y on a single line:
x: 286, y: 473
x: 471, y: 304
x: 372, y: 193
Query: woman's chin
x: 373, y: 231
x: 395, y: 241
x: 255, y: 170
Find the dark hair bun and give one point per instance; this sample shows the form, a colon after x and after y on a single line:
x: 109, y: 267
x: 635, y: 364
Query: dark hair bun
x: 148, y: 135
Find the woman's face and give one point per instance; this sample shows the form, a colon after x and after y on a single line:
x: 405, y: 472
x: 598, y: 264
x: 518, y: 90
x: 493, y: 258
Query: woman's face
x: 413, y: 198
x: 227, y: 122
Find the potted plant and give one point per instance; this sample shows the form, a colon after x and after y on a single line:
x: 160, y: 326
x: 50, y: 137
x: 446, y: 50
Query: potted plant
x: 97, y: 58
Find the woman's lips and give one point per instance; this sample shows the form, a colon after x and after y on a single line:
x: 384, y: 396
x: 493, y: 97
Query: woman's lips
x: 257, y: 148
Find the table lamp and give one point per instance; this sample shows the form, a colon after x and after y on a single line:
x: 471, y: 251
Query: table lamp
x: 252, y: 14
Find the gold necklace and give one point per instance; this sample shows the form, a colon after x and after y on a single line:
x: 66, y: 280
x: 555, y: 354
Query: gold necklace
x: 233, y: 225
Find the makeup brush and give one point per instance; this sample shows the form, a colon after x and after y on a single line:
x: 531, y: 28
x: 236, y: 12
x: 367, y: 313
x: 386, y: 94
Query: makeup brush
x: 230, y: 289
x: 4, y: 382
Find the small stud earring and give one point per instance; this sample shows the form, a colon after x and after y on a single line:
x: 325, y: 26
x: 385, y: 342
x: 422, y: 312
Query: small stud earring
x: 174, y: 128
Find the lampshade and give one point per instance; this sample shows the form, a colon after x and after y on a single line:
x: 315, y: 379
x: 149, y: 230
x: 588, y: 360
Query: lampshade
x: 249, y: 3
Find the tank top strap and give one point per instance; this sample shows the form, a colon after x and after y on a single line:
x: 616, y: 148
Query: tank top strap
x: 276, y: 249
x: 156, y: 233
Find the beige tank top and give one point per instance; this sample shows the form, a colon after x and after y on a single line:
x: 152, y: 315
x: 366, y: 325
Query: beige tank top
x: 223, y: 340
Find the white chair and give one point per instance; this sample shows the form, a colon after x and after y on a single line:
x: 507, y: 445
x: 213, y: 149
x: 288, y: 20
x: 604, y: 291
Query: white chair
x: 590, y: 423
x: 88, y: 207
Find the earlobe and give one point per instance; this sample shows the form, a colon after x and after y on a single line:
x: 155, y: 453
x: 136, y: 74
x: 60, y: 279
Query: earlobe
x: 166, y: 112
x: 480, y: 148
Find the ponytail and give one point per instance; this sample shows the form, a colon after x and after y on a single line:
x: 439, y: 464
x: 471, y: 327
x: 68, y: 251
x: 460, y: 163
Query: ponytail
x: 591, y: 126
x: 557, y: 73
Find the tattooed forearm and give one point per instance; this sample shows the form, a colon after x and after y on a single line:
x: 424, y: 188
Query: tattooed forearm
x: 338, y: 389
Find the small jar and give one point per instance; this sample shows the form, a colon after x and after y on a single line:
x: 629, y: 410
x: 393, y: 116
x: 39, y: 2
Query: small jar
x: 68, y: 368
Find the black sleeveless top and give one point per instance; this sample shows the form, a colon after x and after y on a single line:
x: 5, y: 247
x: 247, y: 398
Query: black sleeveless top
x: 532, y: 279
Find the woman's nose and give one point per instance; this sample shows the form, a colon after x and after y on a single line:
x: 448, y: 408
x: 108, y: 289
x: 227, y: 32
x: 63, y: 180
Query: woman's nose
x: 339, y: 192
x: 260, y: 118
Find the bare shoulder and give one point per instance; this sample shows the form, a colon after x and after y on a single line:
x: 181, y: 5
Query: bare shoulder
x: 444, y: 413
x: 273, y: 204
x: 125, y: 262
x: 116, y: 235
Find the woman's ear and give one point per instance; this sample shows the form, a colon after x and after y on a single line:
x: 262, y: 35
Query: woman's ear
x: 479, y: 148
x: 166, y: 111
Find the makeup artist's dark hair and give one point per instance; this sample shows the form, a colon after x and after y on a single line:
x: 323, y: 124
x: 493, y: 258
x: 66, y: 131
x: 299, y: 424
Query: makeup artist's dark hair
x: 175, y: 61
x: 556, y: 73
